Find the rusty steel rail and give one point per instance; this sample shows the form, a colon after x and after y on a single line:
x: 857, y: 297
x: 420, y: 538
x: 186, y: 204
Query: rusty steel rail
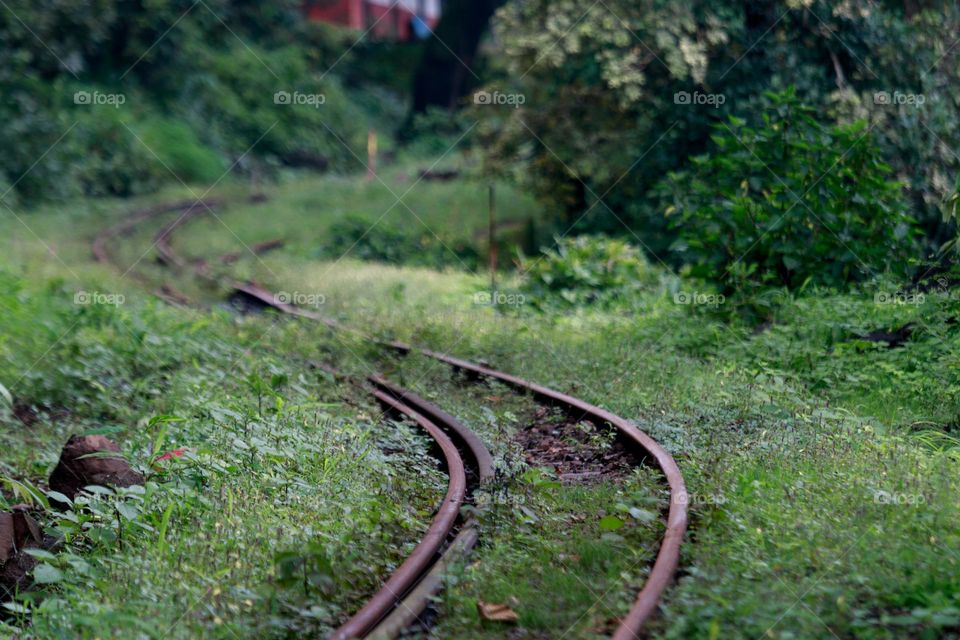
x: 162, y: 244
x: 268, y: 298
x: 477, y: 465
x: 418, y: 564
x: 466, y: 440
x: 479, y: 469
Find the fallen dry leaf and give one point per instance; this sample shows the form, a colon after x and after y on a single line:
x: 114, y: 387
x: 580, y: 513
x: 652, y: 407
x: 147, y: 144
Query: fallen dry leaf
x: 496, y: 612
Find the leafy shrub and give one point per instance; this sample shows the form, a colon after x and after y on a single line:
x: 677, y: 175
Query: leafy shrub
x: 59, y: 149
x: 177, y: 146
x: 237, y: 104
x: 951, y: 208
x: 194, y: 96
x: 433, y: 132
x: 587, y: 269
x: 105, y: 158
x: 386, y: 243
x: 381, y: 243
x: 789, y: 202
x: 595, y: 102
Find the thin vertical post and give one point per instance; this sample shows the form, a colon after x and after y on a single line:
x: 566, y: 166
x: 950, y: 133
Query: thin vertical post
x: 492, y: 215
x: 371, y: 154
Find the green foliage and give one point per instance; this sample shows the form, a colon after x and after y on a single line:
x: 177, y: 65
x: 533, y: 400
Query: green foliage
x: 233, y: 103
x: 816, y: 341
x: 385, y: 242
x: 587, y: 270
x: 821, y: 463
x: 177, y: 147
x: 789, y: 202
x: 196, y: 84
x: 434, y: 132
x: 601, y: 126
x: 951, y: 203
x: 108, y: 159
x: 273, y: 482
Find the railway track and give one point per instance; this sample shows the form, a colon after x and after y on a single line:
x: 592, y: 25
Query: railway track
x: 102, y: 243
x: 406, y: 593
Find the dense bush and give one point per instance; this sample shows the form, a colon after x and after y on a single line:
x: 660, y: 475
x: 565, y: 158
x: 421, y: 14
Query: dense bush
x: 586, y: 269
x: 177, y: 146
x: 54, y: 147
x: 196, y: 86
x: 605, y: 118
x: 235, y: 106
x: 106, y: 158
x: 789, y: 202
x: 368, y: 239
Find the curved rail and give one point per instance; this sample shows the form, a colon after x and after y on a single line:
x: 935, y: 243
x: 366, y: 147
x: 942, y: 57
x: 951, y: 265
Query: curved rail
x: 101, y: 243
x: 668, y: 558
x: 161, y: 240
x: 417, y: 563
x: 466, y: 439
x: 407, y: 592
x: 479, y: 469
x: 131, y: 223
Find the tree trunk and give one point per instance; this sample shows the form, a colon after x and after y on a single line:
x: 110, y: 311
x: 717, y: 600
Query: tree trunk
x: 446, y: 70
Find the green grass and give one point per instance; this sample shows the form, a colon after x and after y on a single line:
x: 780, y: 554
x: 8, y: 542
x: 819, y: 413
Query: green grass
x: 822, y: 500
x: 414, y: 217
x: 278, y: 469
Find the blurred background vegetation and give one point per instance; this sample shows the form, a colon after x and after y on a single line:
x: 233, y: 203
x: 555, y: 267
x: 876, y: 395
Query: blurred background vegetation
x: 795, y: 115
x: 601, y: 126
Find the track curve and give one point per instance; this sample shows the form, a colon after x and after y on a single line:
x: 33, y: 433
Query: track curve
x: 668, y: 557
x: 408, y: 591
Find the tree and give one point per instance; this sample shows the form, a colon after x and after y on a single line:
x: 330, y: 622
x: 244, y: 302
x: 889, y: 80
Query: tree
x: 446, y: 70
x: 789, y: 202
x: 605, y: 118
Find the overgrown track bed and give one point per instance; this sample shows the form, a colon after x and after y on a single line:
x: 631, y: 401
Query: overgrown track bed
x: 407, y: 593
x: 668, y: 557
x: 665, y: 566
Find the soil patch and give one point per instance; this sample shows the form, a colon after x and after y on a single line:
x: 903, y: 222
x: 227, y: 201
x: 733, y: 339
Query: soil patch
x: 577, y: 450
